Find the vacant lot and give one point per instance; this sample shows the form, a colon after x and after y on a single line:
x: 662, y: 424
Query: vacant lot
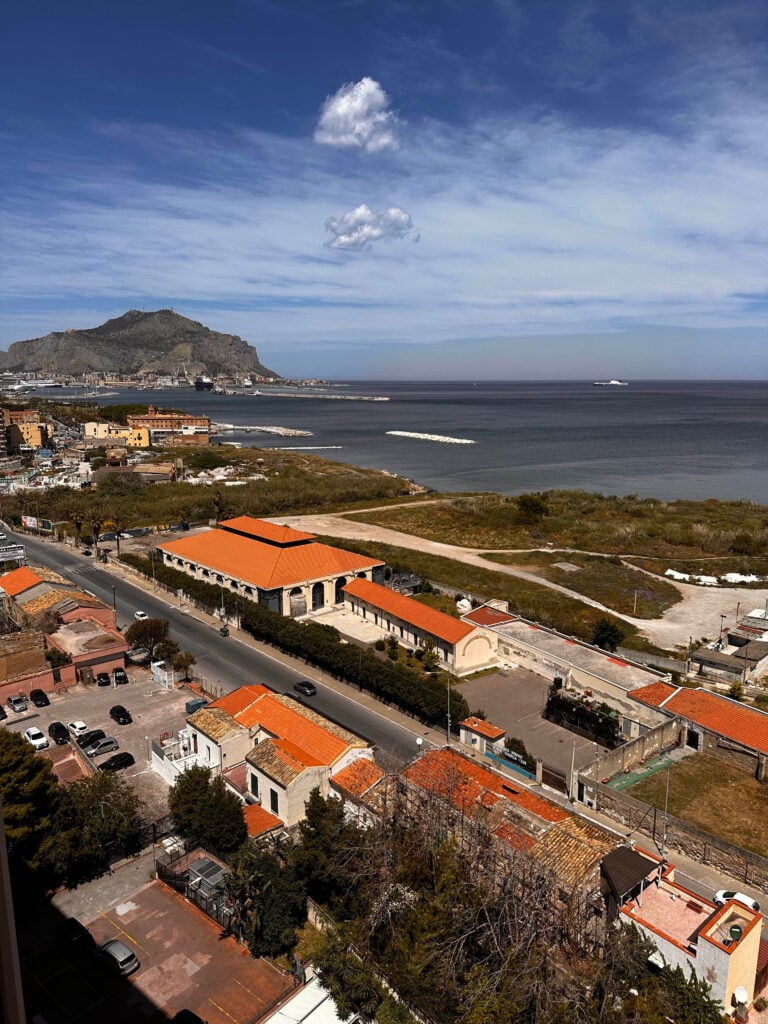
x: 606, y: 580
x: 590, y: 522
x: 711, y: 566
x: 719, y: 798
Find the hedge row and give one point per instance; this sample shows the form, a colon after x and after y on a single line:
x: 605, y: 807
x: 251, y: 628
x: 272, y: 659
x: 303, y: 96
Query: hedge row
x: 320, y: 645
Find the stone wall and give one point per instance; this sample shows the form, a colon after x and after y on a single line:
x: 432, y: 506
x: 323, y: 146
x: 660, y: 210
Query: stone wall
x: 669, y: 734
x: 652, y: 660
x: 749, y: 868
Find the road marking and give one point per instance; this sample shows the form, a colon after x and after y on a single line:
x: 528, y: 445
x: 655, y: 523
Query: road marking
x: 245, y: 987
x: 222, y: 1010
x: 122, y: 931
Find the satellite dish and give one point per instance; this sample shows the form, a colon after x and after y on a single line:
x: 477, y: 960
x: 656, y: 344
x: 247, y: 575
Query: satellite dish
x: 740, y: 994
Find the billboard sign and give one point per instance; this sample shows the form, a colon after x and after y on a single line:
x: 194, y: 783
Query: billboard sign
x: 29, y: 522
x: 12, y: 553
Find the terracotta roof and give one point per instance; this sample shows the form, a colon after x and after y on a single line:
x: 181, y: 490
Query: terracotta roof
x: 427, y: 619
x: 464, y: 782
x: 571, y: 848
x: 236, y: 777
x: 276, y: 762
x: 262, y: 530
x: 654, y: 694
x: 283, y: 717
x: 19, y: 580
x: 215, y: 723
x: 357, y: 778
x: 491, y: 732
x: 513, y: 837
x: 720, y: 715
x: 265, y: 565
x: 258, y: 821
x: 240, y: 699
x: 487, y: 616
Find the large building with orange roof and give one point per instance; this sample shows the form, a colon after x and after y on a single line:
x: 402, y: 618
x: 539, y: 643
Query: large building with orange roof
x: 285, y: 570
x: 462, y: 647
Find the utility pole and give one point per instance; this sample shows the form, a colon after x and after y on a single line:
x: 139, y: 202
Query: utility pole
x: 666, y: 806
x: 448, y: 714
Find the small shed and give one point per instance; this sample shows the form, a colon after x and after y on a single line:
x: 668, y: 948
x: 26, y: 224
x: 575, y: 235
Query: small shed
x: 481, y: 735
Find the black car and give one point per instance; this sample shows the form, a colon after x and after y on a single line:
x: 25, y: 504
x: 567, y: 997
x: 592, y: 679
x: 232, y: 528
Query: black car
x: 120, y: 714
x: 102, y: 679
x: 85, y: 551
x: 305, y: 687
x: 3, y: 713
x: 117, y: 762
x: 120, y: 676
x: 90, y: 737
x: 59, y: 733
x: 39, y: 698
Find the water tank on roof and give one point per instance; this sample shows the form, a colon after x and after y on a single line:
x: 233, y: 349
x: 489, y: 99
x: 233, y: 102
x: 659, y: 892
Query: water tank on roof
x: 463, y: 606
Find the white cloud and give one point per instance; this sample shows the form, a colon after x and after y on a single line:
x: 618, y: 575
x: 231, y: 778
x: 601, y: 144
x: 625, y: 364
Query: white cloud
x: 358, y: 117
x: 358, y: 228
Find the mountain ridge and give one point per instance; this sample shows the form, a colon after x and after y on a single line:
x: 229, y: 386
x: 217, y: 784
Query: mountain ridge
x: 136, y: 342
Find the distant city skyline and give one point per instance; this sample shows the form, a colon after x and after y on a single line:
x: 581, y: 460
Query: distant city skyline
x: 557, y: 191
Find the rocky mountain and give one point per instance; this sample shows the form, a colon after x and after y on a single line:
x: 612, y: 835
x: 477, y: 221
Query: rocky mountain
x: 136, y: 342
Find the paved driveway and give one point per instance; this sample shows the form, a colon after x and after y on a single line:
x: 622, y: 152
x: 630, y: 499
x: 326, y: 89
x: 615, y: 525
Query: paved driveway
x: 514, y: 700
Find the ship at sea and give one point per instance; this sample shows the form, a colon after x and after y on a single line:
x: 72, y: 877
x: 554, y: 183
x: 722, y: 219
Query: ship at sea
x: 203, y: 383
x: 610, y: 383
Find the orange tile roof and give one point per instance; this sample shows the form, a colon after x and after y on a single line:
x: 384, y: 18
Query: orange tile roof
x: 240, y: 699
x: 262, y: 530
x: 508, y: 834
x: 266, y: 565
x: 280, y: 721
x: 19, y: 580
x: 487, y: 616
x: 654, y: 694
x: 491, y: 732
x: 720, y: 715
x: 357, y: 778
x: 443, y: 626
x: 463, y: 782
x: 258, y: 821
x: 298, y: 754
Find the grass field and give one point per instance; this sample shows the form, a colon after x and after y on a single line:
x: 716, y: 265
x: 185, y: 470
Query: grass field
x: 714, y: 795
x: 606, y: 580
x: 531, y: 600
x: 441, y: 602
x: 591, y: 522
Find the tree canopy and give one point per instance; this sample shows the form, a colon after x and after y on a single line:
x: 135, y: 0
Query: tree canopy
x: 29, y: 795
x: 204, y: 811
x: 271, y: 900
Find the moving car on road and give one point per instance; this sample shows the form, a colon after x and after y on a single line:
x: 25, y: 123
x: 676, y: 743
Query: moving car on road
x: 18, y: 703
x: 59, y: 733
x: 140, y: 616
x: 39, y: 698
x: 120, y: 714
x: 117, y: 762
x: 35, y: 737
x: 102, y: 746
x: 723, y: 895
x: 305, y: 687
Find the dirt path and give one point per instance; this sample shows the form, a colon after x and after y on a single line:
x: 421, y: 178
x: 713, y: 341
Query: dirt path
x: 696, y: 616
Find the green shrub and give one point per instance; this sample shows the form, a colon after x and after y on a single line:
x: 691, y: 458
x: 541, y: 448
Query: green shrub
x: 380, y: 645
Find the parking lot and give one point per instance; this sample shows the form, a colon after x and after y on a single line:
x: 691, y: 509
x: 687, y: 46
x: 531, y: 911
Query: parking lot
x: 154, y: 711
x: 514, y: 700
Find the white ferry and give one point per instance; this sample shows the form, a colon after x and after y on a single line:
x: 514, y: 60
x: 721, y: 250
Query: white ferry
x: 610, y: 383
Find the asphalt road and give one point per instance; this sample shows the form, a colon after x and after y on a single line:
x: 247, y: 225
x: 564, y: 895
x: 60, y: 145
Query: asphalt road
x: 223, y: 659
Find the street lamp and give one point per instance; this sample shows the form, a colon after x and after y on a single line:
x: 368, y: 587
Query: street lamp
x: 448, y: 712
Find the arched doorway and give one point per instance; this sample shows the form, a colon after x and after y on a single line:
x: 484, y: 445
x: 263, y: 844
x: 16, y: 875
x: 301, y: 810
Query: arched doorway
x: 341, y: 582
x: 298, y: 602
x: 318, y: 596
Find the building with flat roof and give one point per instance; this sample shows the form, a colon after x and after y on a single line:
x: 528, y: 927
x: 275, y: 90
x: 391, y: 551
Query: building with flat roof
x: 285, y: 570
x: 462, y: 647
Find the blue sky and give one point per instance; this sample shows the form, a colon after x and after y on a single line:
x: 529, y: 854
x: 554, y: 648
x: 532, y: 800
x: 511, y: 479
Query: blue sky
x: 373, y: 187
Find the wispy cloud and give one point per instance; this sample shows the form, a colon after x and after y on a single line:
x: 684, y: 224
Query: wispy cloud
x: 357, y: 116
x: 358, y: 228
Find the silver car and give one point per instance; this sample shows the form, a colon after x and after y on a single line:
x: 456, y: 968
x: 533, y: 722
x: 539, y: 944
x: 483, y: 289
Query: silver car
x: 119, y: 956
x: 102, y: 746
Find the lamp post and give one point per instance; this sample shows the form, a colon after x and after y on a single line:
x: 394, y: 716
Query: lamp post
x: 448, y: 712
x: 745, y: 670
x: 114, y: 600
x: 722, y: 620
x: 223, y: 609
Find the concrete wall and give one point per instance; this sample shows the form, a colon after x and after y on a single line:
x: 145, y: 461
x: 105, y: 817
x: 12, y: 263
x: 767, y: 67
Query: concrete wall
x: 669, y: 734
x: 22, y: 654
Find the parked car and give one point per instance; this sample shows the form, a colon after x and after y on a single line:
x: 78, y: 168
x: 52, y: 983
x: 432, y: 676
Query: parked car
x: 77, y: 728
x: 305, y: 687
x: 3, y: 713
x: 39, y: 698
x: 723, y: 895
x: 59, y: 733
x: 140, y: 616
x: 18, y: 703
x: 102, y: 679
x: 90, y: 737
x: 120, y: 714
x: 119, y: 957
x: 102, y: 746
x: 117, y: 762
x: 35, y: 737
x: 120, y: 676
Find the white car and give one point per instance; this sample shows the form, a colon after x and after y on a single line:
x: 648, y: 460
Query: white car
x: 36, y: 738
x: 723, y: 895
x: 140, y: 616
x: 77, y: 728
